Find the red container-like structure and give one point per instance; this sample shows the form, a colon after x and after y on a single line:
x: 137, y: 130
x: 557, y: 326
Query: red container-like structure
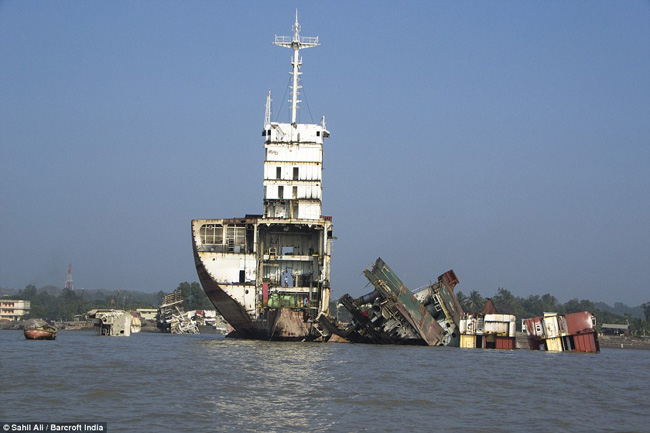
x: 573, y: 332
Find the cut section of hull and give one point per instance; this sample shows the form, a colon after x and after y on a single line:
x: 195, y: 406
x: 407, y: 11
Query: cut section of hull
x: 231, y: 310
x: 259, y: 306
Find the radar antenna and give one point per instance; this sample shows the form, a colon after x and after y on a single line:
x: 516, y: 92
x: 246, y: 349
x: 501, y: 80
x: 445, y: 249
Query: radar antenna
x: 296, y: 43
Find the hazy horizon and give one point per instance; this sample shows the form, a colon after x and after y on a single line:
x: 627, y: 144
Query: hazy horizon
x: 508, y: 141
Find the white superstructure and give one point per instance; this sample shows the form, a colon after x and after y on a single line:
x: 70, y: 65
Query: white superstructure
x: 293, y: 162
x: 268, y: 275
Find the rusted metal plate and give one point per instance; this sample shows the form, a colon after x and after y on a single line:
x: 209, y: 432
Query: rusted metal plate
x: 287, y: 324
x: 450, y: 301
x: 394, y: 290
x: 506, y: 343
x: 581, y: 322
x: 587, y: 342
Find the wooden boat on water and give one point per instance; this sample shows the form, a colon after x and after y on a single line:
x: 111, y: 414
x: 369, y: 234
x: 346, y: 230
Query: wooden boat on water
x: 45, y: 332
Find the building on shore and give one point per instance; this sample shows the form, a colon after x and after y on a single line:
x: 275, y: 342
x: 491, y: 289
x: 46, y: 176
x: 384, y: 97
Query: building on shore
x: 12, y: 310
x: 614, y: 329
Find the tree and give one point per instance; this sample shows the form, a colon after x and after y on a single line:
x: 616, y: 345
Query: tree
x: 28, y: 293
x: 476, y: 302
x: 462, y: 299
x: 194, y: 297
x: 639, y: 327
x: 646, y: 311
x: 532, y: 306
x: 504, y: 301
x: 551, y: 304
x: 572, y: 306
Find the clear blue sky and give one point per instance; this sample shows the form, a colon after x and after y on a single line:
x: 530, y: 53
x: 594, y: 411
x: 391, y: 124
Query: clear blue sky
x: 507, y: 140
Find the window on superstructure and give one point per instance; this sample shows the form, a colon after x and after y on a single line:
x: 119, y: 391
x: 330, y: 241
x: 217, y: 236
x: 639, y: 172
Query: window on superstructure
x: 211, y: 234
x: 278, y: 172
x: 280, y: 192
x: 295, y: 192
x: 236, y: 238
x: 296, y: 170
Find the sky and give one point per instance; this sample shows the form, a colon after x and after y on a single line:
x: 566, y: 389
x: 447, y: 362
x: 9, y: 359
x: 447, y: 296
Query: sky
x: 506, y: 140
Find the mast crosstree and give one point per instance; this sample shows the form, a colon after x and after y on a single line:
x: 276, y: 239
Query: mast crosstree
x: 296, y: 43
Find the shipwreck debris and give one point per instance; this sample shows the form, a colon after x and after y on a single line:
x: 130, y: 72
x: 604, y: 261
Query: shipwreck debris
x: 392, y: 314
x: 573, y: 332
x: 112, y: 323
x: 488, y: 331
x: 172, y: 318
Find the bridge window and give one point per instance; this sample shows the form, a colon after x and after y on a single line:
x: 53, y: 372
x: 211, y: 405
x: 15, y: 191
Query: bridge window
x: 211, y: 234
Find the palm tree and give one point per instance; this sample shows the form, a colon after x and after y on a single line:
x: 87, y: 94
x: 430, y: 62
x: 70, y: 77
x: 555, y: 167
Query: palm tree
x: 475, y: 302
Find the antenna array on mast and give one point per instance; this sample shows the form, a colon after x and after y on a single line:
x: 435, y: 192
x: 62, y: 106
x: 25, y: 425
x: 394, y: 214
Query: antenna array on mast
x: 296, y: 43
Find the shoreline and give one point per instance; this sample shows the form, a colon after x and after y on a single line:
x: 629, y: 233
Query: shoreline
x: 72, y: 326
x: 605, y: 341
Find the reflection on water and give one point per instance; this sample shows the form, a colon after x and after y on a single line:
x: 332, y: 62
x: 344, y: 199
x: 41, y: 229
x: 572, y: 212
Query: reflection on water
x: 178, y: 383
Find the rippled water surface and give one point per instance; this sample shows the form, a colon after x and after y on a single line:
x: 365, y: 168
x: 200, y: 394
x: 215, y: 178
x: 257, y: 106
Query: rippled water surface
x: 197, y: 383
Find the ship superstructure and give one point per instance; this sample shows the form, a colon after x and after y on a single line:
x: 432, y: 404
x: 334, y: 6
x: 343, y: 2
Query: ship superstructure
x: 269, y: 275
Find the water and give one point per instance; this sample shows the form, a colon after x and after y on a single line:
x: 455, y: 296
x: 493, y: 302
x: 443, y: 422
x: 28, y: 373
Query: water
x: 198, y: 383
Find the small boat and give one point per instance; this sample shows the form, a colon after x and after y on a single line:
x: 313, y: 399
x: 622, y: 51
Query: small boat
x: 45, y: 332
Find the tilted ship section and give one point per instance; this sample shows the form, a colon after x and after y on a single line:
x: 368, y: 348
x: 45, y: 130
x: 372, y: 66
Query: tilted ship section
x: 269, y: 275
x: 392, y: 314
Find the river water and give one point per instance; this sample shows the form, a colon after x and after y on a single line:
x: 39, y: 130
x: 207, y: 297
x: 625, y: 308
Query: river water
x: 203, y: 383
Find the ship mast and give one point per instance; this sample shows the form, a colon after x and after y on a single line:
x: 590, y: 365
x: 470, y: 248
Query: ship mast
x: 267, y: 112
x: 296, y: 43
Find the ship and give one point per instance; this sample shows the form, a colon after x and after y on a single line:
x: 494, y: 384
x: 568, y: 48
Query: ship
x: 43, y: 332
x: 268, y: 274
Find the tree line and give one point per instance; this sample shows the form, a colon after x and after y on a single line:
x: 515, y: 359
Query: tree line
x: 64, y: 304
x: 534, y: 305
x: 51, y: 303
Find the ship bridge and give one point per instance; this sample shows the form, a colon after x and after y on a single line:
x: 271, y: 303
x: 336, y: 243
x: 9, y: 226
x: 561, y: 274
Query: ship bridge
x: 293, y: 162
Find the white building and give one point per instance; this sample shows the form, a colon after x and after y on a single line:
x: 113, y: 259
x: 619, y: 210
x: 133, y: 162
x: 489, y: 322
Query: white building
x: 12, y: 310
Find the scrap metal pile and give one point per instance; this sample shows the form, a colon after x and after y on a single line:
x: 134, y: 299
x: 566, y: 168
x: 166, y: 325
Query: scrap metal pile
x: 172, y: 318
x: 113, y: 323
x: 392, y: 314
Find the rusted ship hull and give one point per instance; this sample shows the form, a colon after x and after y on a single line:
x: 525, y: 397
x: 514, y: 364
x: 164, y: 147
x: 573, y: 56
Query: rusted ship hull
x: 40, y: 334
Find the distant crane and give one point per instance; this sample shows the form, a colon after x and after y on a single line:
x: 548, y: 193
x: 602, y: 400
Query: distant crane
x: 68, y: 281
